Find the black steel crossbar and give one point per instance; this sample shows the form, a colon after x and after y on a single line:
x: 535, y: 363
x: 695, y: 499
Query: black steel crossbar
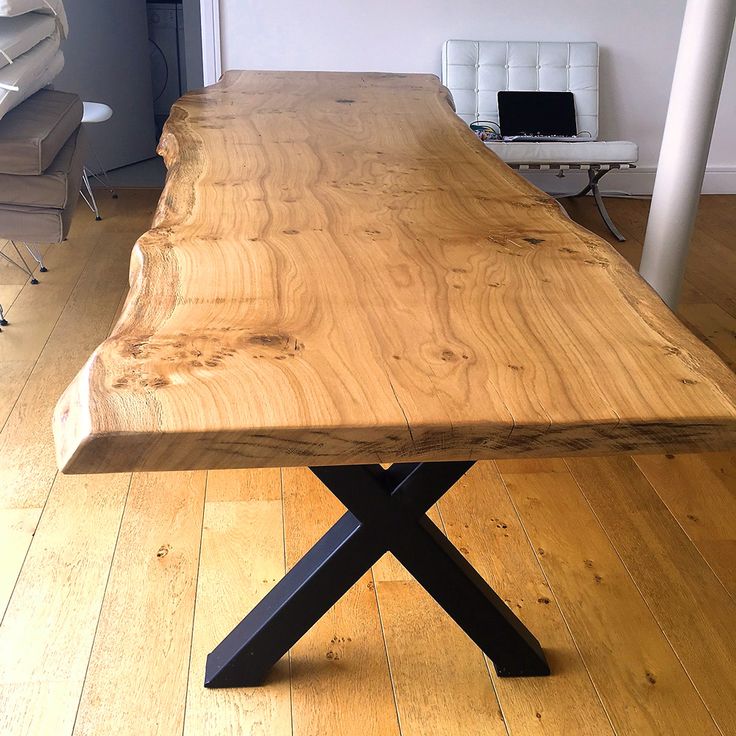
x: 386, y: 513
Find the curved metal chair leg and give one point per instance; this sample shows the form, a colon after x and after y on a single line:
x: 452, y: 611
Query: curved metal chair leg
x: 594, y: 176
x: 91, y: 201
x: 604, y: 214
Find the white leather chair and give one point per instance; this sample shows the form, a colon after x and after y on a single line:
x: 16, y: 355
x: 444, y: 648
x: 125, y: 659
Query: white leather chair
x: 475, y: 71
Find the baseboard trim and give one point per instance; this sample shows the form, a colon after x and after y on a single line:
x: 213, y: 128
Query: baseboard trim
x: 638, y: 181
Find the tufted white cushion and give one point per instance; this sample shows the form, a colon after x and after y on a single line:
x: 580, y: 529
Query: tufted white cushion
x: 475, y: 71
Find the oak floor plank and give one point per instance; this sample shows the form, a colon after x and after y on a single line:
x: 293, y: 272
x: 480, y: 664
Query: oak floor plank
x: 8, y: 294
x: 636, y: 673
x: 532, y: 465
x: 440, y: 678
x: 439, y: 675
x: 33, y: 316
x: 9, y: 274
x: 242, y: 557
x: 138, y: 668
x: 482, y: 522
x: 716, y: 327
x: 47, y: 632
x: 695, y: 489
x: 692, y: 607
x: 340, y: 680
x: 17, y: 527
x: 26, y: 441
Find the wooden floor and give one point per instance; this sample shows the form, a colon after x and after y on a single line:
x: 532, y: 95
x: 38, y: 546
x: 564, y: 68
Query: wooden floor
x: 114, y: 588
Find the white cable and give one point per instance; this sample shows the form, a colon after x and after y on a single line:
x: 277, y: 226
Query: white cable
x: 9, y: 87
x: 7, y: 58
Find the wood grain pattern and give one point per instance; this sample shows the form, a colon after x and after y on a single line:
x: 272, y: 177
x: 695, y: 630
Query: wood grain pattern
x: 692, y: 608
x: 481, y: 521
x: 47, y: 632
x: 699, y: 493
x: 628, y: 656
x: 241, y: 559
x: 139, y: 663
x: 340, y: 272
x: 340, y: 679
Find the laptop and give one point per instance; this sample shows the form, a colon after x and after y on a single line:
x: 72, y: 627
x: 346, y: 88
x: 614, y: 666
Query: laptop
x: 537, y: 116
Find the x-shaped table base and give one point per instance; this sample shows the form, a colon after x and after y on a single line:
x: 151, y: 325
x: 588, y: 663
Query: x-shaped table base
x: 386, y: 513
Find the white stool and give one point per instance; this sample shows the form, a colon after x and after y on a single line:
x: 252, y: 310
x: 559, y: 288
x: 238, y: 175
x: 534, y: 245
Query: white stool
x: 95, y: 112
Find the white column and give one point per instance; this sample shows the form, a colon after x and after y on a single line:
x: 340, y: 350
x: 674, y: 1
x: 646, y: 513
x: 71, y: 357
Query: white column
x: 701, y: 63
x: 211, y: 54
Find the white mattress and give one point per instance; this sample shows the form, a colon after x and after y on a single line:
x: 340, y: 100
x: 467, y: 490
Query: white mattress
x: 11, y: 8
x: 22, y: 33
x: 30, y: 72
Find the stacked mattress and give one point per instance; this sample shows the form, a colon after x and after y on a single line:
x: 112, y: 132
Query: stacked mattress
x: 41, y: 140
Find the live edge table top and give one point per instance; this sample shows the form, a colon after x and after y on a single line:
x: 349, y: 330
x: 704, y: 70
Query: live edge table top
x: 339, y: 272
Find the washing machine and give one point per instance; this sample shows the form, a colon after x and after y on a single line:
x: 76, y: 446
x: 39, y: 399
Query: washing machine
x: 168, y: 67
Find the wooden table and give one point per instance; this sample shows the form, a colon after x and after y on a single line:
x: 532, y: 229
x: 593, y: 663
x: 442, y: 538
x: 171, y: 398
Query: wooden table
x: 339, y: 275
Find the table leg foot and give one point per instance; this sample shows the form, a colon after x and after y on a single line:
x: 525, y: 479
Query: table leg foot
x: 294, y: 605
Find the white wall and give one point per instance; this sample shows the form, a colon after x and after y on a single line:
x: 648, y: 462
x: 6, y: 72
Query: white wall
x: 638, y: 40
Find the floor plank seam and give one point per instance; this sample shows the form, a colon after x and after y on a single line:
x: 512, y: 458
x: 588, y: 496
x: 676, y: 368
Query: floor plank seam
x: 283, y: 544
x: 646, y: 602
x: 684, y: 531
x: 102, y: 604
x: 385, y: 649
x: 51, y: 332
x: 194, y: 606
x: 499, y: 702
x: 593, y: 683
x: 28, y: 549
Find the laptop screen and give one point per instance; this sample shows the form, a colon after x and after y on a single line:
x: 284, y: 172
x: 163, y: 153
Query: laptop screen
x: 537, y: 113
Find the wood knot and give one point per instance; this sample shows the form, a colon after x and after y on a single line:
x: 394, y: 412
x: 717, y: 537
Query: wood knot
x: 163, y: 550
x: 269, y: 340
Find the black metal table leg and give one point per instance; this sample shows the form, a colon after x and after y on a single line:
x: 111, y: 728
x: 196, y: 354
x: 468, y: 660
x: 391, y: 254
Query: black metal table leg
x: 386, y: 513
